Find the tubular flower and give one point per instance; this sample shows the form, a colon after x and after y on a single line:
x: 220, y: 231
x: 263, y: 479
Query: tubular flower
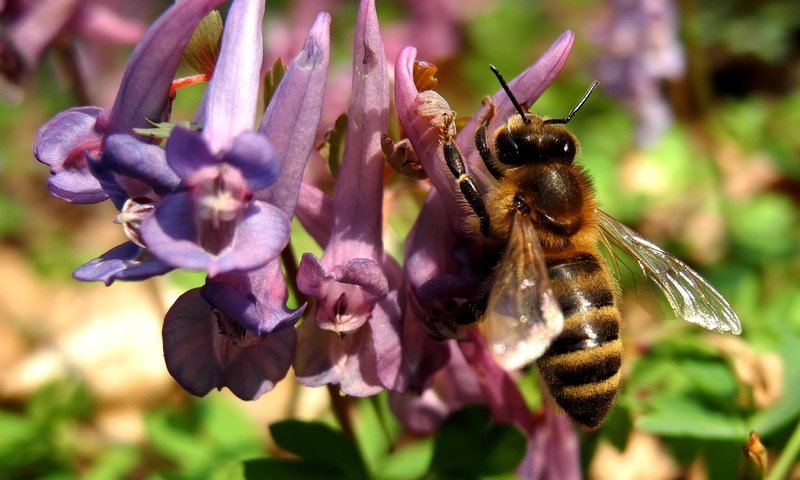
x: 256, y: 299
x: 230, y: 231
x: 71, y: 138
x: 354, y: 338
x: 214, y: 223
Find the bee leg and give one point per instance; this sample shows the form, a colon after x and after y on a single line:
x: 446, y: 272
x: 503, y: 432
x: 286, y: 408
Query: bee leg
x: 480, y: 140
x: 464, y: 181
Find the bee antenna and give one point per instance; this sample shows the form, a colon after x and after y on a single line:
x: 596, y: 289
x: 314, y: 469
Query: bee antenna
x: 577, y: 107
x: 514, y: 101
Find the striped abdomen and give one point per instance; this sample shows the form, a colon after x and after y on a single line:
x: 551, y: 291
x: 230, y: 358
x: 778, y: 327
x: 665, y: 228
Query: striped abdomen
x: 581, y: 367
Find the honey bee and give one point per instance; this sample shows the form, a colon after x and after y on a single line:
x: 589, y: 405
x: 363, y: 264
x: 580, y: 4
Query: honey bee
x: 552, y: 299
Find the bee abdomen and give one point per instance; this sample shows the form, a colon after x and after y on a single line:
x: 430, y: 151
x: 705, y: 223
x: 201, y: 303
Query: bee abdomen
x: 581, y: 367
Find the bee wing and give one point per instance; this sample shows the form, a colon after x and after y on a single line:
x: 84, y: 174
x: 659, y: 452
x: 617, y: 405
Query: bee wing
x: 690, y: 296
x: 522, y: 315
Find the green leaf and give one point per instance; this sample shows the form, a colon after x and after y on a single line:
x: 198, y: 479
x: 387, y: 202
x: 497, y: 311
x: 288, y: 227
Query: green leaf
x: 230, y: 428
x: 320, y: 444
x: 682, y: 416
x: 333, y: 147
x: 278, y: 468
x: 470, y: 445
x: 118, y: 462
x: 410, y: 461
x: 203, y: 48
x: 162, y: 130
x: 273, y: 78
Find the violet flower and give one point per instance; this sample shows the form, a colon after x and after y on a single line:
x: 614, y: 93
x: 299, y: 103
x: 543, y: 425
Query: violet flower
x: 134, y: 175
x: 220, y: 335
x: 215, y: 224
x: 354, y: 339
x: 68, y: 140
x: 640, y: 48
x: 37, y: 25
x: 256, y: 299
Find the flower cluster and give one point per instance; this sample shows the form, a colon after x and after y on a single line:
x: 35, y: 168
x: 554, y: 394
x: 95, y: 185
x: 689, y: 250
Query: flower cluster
x: 220, y: 198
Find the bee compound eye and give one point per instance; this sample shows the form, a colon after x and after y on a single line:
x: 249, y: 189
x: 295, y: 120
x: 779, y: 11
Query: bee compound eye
x: 507, y: 148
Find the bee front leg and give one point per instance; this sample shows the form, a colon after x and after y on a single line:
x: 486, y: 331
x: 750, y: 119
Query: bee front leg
x: 480, y: 140
x: 464, y: 181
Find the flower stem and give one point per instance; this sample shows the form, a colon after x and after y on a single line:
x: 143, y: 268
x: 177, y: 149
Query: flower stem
x: 786, y: 460
x: 340, y: 405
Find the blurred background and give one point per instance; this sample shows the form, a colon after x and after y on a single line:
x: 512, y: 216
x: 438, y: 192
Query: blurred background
x: 692, y: 139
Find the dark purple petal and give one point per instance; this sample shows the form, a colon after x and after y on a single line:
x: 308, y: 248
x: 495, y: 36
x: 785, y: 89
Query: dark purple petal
x: 171, y: 233
x: 123, y: 262
x: 189, y: 331
x: 203, y: 350
x: 230, y: 106
x: 292, y: 117
x: 254, y: 156
x: 63, y: 144
x: 256, y: 300
x: 262, y: 364
x: 188, y: 152
x: 130, y: 168
x: 151, y: 69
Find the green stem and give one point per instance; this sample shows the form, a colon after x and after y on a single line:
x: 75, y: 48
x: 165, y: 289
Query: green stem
x: 787, y: 458
x: 340, y: 405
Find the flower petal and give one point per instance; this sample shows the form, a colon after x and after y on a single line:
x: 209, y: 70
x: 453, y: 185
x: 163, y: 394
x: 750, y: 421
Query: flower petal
x: 188, y: 152
x: 188, y: 334
x: 256, y: 299
x: 171, y: 234
x: 146, y: 82
x: 292, y: 117
x: 123, y: 262
x: 130, y: 168
x: 230, y: 106
x: 359, y: 188
x: 262, y: 364
x: 254, y: 156
x: 63, y: 143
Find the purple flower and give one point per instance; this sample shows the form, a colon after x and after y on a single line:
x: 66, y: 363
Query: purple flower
x: 215, y: 223
x: 256, y: 299
x: 204, y: 349
x: 354, y: 338
x: 640, y: 49
x: 68, y: 140
x: 35, y: 26
x: 552, y: 443
x: 236, y: 331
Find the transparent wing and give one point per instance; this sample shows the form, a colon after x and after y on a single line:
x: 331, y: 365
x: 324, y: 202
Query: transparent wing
x: 522, y: 315
x: 690, y: 296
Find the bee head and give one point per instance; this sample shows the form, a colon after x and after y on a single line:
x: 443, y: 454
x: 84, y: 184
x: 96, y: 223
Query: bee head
x: 527, y: 138
x: 521, y: 142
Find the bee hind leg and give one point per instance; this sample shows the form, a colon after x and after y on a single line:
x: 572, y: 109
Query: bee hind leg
x: 465, y: 182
